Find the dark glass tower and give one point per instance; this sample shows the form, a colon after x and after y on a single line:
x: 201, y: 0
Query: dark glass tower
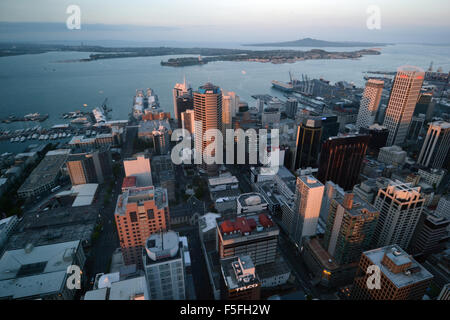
x: 307, y: 150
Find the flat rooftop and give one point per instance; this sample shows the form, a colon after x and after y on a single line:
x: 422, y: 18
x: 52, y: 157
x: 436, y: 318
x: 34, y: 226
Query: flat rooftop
x: 414, y: 273
x: 251, y: 199
x: 39, y: 271
x: 141, y: 194
x: 310, y: 181
x: 46, y: 171
x: 238, y: 271
x: 245, y: 226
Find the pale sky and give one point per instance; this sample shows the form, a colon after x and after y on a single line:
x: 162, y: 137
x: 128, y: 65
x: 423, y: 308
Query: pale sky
x: 242, y: 20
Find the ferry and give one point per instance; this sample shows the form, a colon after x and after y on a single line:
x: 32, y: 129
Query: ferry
x: 287, y: 87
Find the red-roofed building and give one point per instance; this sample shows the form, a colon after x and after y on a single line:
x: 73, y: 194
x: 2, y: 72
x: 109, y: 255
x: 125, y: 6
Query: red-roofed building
x: 128, y: 182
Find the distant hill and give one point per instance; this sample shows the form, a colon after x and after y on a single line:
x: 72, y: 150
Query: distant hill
x: 308, y: 42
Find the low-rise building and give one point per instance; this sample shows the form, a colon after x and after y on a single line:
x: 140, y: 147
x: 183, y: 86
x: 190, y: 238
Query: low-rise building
x: 240, y: 279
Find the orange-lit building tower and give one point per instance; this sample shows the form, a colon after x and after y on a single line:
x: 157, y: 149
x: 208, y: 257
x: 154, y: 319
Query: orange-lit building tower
x: 402, y: 102
x: 369, y: 103
x: 140, y: 212
x: 208, y: 113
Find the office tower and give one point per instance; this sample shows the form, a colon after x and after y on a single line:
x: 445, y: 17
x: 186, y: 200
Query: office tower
x: 341, y: 159
x: 308, y: 200
x: 402, y: 102
x: 139, y: 167
x: 208, y: 113
x: 291, y: 107
x: 425, y: 105
x: 443, y: 207
x: 378, y: 137
x: 369, y: 103
x: 307, y: 149
x: 331, y: 191
x: 161, y: 140
x: 271, y: 116
x: 183, y: 103
x: 350, y: 227
x: 330, y: 126
x: 252, y: 235
x: 140, y: 212
x: 89, y: 167
x: 240, y: 279
x: 234, y: 101
x: 260, y: 105
x: 435, y: 149
x: 402, y: 277
x: 400, y: 206
x: 163, y: 261
x: 392, y: 155
x: 187, y: 121
x: 179, y: 90
x: 430, y: 234
x: 417, y: 123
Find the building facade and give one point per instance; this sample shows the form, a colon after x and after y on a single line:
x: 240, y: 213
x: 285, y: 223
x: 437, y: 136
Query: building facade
x: 369, y: 103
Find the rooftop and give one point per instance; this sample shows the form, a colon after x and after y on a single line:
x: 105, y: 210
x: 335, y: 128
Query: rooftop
x: 35, y: 271
x: 84, y: 194
x: 160, y: 246
x: 245, y: 226
x: 238, y: 271
x: 141, y: 194
x: 310, y: 181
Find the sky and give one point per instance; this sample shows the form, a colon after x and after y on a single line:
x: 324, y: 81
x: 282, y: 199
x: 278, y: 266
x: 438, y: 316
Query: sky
x: 226, y: 20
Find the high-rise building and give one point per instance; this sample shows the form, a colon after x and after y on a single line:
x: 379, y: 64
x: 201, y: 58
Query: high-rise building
x: 350, y: 228
x: 139, y: 167
x: 90, y: 166
x: 163, y: 261
x: 435, y: 151
x: 369, y: 103
x: 139, y: 213
x: 400, y: 206
x: 240, y: 279
x: 445, y: 293
x: 443, y: 207
x: 331, y: 191
x: 308, y: 200
x: 425, y: 105
x: 208, y: 114
x: 402, y: 277
x: 188, y: 121
x: 161, y: 140
x: 430, y: 234
x: 402, y: 102
x: 341, y: 159
x: 252, y: 235
x: 392, y: 155
x: 260, y: 105
x: 307, y: 149
x: 183, y: 103
x: 179, y: 90
x: 378, y: 137
x: 415, y: 128
x: 291, y: 107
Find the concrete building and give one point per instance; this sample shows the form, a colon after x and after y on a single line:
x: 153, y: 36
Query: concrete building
x: 240, y: 279
x: 400, y: 206
x: 179, y: 90
x: 350, y: 228
x: 392, y: 155
x: 147, y: 129
x: 139, y: 166
x: 402, y: 277
x: 164, y: 265
x: 331, y: 191
x: 251, y: 203
x: 127, y: 289
x: 188, y: 121
x: 140, y: 212
x: 7, y: 227
x: 435, y: 149
x: 40, y: 272
x: 208, y: 112
x: 164, y: 174
x: 366, y: 190
x: 308, y: 200
x: 402, y: 102
x: 433, y: 177
x: 90, y: 166
x: 46, y: 175
x: 369, y: 103
x: 430, y: 234
x: 253, y: 235
x: 291, y: 107
x: 443, y: 207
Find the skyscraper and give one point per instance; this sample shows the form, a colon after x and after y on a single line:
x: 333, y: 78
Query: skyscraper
x: 183, y: 103
x: 402, y: 277
x: 341, y: 159
x: 139, y: 213
x: 402, y: 102
x: 139, y: 167
x: 308, y: 200
x: 307, y: 149
x: 208, y: 113
x: 187, y: 121
x: 435, y: 151
x: 291, y: 107
x: 378, y: 137
x: 350, y: 227
x: 179, y: 90
x: 400, y: 206
x: 163, y: 262
x: 369, y: 103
